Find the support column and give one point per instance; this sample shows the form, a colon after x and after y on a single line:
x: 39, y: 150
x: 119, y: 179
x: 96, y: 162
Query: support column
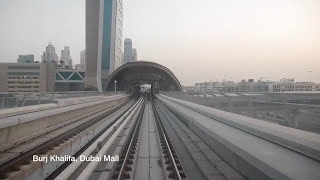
x: 252, y: 108
x: 230, y: 105
x: 291, y: 116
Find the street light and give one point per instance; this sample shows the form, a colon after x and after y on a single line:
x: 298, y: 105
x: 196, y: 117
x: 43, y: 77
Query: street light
x: 115, y: 85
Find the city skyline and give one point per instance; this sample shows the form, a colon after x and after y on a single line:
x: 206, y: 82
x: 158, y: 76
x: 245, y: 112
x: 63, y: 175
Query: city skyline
x: 226, y: 40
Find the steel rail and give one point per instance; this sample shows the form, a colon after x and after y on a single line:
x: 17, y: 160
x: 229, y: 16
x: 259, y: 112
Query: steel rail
x: 164, y: 136
x: 135, y: 133
x: 68, y: 171
x: 92, y: 165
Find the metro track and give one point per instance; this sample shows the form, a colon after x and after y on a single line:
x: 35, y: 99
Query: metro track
x: 143, y: 146
x: 144, y: 134
x: 148, y: 149
x: 134, y: 164
x: 157, y: 137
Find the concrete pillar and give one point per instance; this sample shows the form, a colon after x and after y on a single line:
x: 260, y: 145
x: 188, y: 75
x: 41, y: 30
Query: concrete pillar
x: 291, y: 117
x: 2, y: 102
x: 230, y: 105
x: 252, y: 108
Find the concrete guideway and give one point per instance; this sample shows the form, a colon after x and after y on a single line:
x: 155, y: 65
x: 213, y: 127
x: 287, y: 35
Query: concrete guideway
x: 27, y: 109
x: 198, y: 160
x: 155, y: 137
x: 44, y: 110
x: 22, y: 127
x: 126, y: 118
x: 55, y: 103
x: 149, y: 154
x: 301, y: 141
x: 292, y: 154
x: 52, y: 140
x: 294, y: 113
x: 144, y: 148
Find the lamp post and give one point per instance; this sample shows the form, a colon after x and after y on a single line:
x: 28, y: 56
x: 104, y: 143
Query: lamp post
x: 115, y: 85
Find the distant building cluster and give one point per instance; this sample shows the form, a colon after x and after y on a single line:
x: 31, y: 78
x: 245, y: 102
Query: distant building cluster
x: 102, y: 56
x: 50, y: 56
x: 284, y: 85
x: 51, y: 74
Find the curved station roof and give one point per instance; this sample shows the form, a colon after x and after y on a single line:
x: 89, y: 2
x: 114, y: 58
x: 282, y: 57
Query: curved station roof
x: 143, y: 72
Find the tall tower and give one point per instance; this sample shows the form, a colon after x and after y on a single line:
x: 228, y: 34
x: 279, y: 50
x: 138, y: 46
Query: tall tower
x: 104, y: 19
x: 65, y: 56
x: 127, y: 50
x: 50, y: 56
x: 134, y: 54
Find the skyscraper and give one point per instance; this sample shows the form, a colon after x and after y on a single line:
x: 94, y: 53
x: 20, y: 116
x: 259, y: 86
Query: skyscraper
x: 50, y: 56
x: 103, y: 44
x: 65, y: 57
x: 127, y: 50
x: 83, y: 57
x: 134, y: 54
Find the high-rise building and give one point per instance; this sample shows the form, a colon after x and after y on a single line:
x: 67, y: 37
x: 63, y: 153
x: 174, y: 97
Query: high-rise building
x: 134, y: 54
x: 128, y: 55
x: 65, y: 57
x: 83, y: 57
x: 50, y: 56
x: 103, y: 44
x: 25, y: 59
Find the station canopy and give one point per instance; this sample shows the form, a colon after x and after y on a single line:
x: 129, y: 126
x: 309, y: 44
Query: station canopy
x: 137, y: 73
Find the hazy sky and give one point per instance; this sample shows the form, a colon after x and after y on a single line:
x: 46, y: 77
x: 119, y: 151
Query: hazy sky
x: 198, y: 40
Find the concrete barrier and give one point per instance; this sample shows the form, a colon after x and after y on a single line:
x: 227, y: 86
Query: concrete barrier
x: 79, y: 100
x: 26, y: 109
x: 60, y: 103
x: 256, y: 149
x: 299, y: 116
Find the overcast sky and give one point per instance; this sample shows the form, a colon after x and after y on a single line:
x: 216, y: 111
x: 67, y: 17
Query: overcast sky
x: 198, y: 40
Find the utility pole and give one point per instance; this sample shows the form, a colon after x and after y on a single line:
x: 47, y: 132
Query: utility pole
x: 310, y: 75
